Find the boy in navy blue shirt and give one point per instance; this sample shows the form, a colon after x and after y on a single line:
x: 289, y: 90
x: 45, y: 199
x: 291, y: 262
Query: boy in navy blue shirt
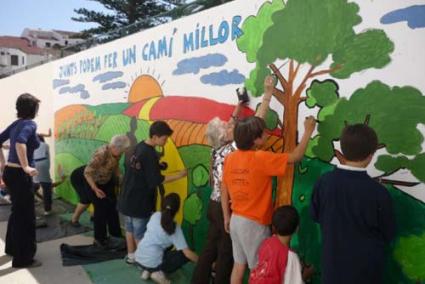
x: 354, y: 212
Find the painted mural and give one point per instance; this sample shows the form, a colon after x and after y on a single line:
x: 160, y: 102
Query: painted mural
x: 344, y: 62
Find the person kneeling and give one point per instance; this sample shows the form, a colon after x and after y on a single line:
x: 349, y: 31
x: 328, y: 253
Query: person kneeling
x: 152, y: 252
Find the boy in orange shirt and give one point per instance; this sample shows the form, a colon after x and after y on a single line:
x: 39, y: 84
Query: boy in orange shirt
x: 247, y: 182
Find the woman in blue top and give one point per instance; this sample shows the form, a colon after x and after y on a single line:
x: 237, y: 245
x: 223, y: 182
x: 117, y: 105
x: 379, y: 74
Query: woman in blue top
x: 17, y: 175
x: 153, y: 253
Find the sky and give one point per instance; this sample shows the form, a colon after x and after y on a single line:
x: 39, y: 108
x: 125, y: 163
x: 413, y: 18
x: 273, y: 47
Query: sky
x: 16, y: 15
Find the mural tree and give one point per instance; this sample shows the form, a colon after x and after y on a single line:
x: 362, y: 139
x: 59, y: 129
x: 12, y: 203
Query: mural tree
x: 315, y: 38
x: 375, y: 105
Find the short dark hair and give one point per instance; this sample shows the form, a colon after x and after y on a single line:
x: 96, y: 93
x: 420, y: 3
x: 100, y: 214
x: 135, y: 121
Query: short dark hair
x: 285, y: 220
x: 160, y: 128
x: 358, y: 141
x: 247, y: 130
x: 27, y: 106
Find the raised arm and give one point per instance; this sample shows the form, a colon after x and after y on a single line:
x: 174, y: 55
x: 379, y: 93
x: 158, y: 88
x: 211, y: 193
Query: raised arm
x: 298, y: 153
x: 48, y: 134
x: 236, y: 112
x: 265, y: 102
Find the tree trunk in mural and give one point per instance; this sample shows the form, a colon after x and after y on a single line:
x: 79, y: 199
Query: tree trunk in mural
x: 290, y: 98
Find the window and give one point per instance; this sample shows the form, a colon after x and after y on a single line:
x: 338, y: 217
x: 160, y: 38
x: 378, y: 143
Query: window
x: 47, y: 44
x: 66, y: 42
x: 14, y: 60
x: 23, y: 60
x: 2, y: 53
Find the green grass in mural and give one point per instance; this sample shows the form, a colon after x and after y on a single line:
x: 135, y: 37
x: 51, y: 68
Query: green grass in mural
x: 307, y: 242
x: 411, y: 251
x: 196, y: 234
x: 108, y: 109
x: 68, y: 162
x: 405, y: 255
x: 120, y: 124
x: 195, y: 154
x: 82, y: 149
x: 402, y: 264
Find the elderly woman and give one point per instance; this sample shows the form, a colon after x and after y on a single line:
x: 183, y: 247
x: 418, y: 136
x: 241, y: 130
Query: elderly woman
x: 102, y: 174
x: 17, y: 175
x: 218, y: 248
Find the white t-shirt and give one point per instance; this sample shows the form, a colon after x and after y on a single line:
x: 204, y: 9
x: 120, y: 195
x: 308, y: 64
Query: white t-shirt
x: 293, y: 270
x: 150, y: 249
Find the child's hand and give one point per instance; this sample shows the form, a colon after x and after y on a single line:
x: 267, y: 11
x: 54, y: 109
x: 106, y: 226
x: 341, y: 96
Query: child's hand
x: 309, y: 124
x: 307, y: 272
x: 269, y: 83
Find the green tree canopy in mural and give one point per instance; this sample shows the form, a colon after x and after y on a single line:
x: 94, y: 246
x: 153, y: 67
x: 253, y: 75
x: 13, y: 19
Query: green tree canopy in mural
x: 315, y: 38
x: 394, y: 113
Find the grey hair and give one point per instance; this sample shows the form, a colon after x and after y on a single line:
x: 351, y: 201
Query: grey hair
x: 120, y: 142
x: 216, y: 132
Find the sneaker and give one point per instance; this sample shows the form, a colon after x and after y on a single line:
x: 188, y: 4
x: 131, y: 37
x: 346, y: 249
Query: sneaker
x: 159, y: 277
x: 145, y: 275
x: 129, y: 260
x: 7, y: 199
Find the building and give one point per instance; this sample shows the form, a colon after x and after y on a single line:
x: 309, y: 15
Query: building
x: 34, y: 47
x: 51, y: 39
x: 17, y: 53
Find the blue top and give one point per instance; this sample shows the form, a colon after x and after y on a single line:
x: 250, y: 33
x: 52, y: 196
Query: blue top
x: 356, y: 217
x: 150, y: 250
x: 21, y: 131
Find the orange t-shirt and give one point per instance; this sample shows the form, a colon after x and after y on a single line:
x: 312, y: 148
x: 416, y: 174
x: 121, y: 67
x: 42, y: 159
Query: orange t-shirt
x: 247, y: 176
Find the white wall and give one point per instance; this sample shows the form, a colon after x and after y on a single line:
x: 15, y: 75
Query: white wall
x: 33, y: 81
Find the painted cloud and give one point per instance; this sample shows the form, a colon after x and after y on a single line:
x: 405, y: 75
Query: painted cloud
x: 195, y: 64
x: 114, y: 85
x: 108, y: 76
x: 413, y: 15
x: 80, y: 88
x: 59, y: 83
x: 223, y: 77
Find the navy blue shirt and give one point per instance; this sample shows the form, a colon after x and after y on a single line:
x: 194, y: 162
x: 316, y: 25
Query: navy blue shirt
x: 21, y: 131
x: 356, y: 217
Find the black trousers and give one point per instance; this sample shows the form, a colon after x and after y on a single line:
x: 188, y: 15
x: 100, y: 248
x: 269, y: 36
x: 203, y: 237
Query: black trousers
x: 171, y: 261
x: 20, y: 236
x: 82, y: 188
x: 218, y: 248
x: 105, y: 213
x: 47, y: 194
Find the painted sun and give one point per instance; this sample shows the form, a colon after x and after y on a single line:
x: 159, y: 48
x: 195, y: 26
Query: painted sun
x: 144, y: 87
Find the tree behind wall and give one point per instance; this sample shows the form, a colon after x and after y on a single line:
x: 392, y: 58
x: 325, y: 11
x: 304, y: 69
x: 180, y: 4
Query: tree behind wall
x: 138, y: 14
x: 123, y: 13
